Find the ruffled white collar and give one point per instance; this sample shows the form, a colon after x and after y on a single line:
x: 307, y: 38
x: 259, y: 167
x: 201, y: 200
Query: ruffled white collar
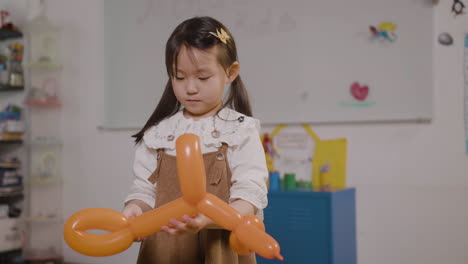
x: 230, y: 124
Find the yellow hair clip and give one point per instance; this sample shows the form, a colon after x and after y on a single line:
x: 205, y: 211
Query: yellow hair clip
x: 222, y: 35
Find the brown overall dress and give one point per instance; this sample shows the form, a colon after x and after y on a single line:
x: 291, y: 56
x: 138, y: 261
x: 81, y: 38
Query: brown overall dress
x: 209, y: 246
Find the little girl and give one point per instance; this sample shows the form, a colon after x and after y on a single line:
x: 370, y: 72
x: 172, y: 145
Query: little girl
x: 201, y: 59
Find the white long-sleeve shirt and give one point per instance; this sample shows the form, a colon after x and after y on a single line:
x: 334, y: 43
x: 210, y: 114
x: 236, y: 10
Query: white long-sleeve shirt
x: 245, y: 154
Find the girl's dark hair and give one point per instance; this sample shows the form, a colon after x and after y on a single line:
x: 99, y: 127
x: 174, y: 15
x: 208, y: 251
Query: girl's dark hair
x: 195, y: 33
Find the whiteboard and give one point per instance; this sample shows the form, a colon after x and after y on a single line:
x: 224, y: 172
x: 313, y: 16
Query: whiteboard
x: 298, y: 58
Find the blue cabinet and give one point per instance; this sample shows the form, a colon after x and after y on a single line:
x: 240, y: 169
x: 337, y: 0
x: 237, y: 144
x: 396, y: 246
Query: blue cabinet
x: 313, y: 227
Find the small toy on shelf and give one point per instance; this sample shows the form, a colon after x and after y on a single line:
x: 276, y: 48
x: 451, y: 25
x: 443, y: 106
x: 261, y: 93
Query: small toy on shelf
x: 325, y: 177
x: 271, y: 152
x: 16, y: 70
x: 5, y: 20
x: 289, y: 181
x: 274, y: 181
x: 3, y: 69
x: 11, y: 126
x: 7, y: 29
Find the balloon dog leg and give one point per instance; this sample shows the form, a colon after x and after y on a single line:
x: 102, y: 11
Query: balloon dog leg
x: 122, y: 230
x: 248, y: 232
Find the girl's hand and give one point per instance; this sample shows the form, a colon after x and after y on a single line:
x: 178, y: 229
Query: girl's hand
x: 133, y: 210
x: 198, y: 222
x: 186, y: 225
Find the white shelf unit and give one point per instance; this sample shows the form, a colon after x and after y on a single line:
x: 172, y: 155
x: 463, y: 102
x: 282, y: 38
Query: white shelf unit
x: 42, y: 223
x: 43, y: 227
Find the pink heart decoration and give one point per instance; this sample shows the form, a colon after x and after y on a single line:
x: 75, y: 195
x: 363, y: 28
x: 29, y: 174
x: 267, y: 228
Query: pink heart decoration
x: 359, y: 92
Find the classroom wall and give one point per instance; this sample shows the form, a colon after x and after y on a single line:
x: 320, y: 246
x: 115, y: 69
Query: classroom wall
x: 411, y: 179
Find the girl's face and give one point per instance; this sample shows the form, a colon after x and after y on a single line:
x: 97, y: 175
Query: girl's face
x: 199, y: 81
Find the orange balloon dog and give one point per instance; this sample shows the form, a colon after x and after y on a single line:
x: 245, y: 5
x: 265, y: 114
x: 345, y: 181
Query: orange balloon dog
x: 248, y: 232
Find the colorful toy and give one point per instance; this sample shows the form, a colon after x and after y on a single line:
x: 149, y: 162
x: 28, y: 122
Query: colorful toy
x: 325, y: 180
x: 384, y: 31
x: 271, y: 152
x: 5, y: 21
x: 16, y: 70
x: 248, y: 232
